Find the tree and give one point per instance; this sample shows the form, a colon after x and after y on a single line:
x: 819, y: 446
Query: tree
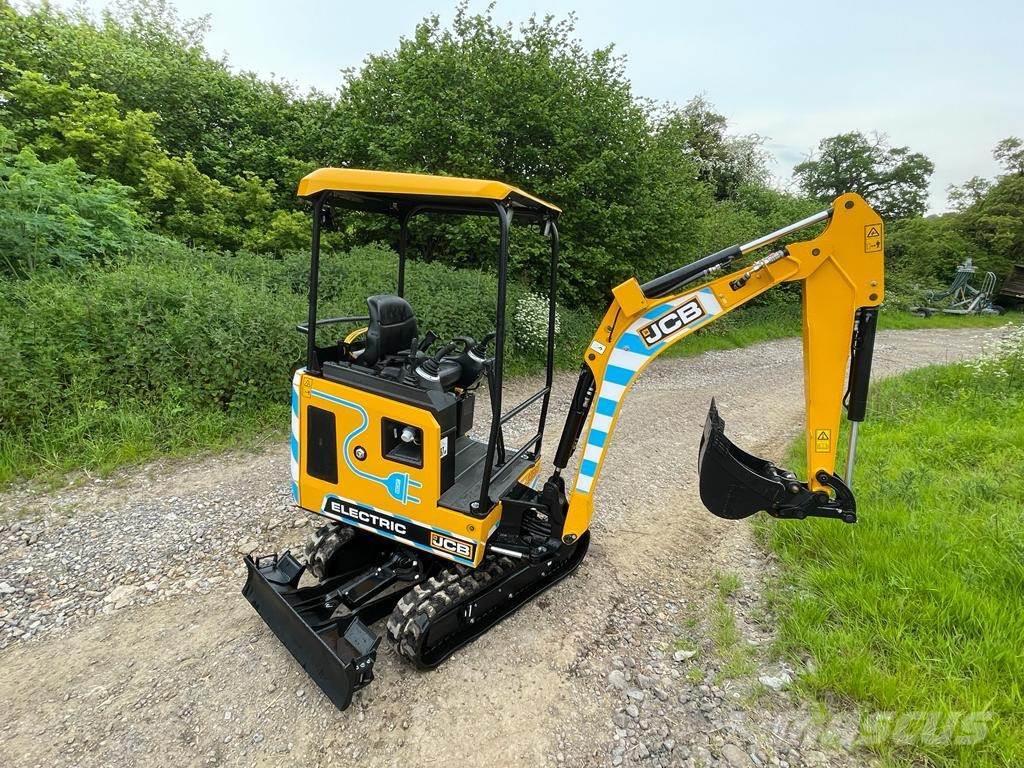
x: 995, y: 220
x: 726, y: 163
x: 968, y: 193
x: 1010, y: 152
x: 893, y: 179
x: 533, y: 107
x: 155, y: 62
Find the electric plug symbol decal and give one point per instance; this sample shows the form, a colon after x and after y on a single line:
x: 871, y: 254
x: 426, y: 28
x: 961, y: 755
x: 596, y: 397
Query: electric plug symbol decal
x: 397, y: 484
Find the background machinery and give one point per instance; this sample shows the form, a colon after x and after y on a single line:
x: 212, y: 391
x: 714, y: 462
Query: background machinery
x: 962, y: 298
x: 439, y: 535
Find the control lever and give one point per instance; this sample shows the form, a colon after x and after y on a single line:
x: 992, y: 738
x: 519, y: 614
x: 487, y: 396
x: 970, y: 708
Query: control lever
x: 428, y: 372
x: 480, y: 350
x: 427, y: 343
x: 432, y: 365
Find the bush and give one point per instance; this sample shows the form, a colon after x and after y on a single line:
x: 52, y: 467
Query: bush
x: 184, y: 348
x: 53, y: 214
x: 924, y: 253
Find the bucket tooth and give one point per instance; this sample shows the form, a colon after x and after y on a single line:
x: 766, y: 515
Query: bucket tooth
x: 735, y: 484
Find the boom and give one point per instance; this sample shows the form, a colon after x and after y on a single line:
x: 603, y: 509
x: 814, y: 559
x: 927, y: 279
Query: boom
x: 842, y: 275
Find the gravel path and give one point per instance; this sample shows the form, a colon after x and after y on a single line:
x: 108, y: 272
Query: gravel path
x: 125, y: 640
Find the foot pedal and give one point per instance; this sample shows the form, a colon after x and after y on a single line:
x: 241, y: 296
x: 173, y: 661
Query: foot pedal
x: 735, y: 484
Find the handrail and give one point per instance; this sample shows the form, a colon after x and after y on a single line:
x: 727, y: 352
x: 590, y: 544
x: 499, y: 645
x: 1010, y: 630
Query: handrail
x: 525, y: 404
x: 304, y: 327
x: 511, y: 459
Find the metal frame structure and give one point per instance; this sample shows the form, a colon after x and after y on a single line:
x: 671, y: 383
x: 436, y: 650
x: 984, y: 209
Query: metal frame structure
x: 534, y: 212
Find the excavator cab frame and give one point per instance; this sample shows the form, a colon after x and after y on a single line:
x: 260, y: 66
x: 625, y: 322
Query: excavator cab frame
x: 405, y: 196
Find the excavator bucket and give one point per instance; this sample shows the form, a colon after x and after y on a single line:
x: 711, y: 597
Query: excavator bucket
x: 735, y: 484
x: 337, y: 654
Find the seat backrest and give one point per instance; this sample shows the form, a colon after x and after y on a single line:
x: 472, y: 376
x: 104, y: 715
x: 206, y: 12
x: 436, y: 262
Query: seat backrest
x: 391, y: 329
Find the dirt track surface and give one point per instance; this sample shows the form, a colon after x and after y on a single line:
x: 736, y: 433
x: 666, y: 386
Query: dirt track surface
x: 128, y: 642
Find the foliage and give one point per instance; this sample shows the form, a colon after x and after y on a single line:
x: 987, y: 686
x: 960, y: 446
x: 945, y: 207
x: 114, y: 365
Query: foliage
x: 1010, y: 153
x: 58, y: 121
x: 893, y: 179
x: 154, y: 62
x: 919, y: 608
x: 926, y: 251
x: 533, y: 107
x: 94, y: 358
x: 724, y: 162
x: 530, y: 320
x: 54, y: 214
x: 995, y: 219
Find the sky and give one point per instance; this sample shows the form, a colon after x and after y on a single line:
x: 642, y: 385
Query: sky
x: 944, y: 78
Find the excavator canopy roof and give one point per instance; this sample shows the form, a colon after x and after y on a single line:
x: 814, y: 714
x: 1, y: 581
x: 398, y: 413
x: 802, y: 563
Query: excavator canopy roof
x: 384, y: 192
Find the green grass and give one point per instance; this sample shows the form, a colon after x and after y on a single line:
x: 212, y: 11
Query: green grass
x: 99, y: 441
x: 735, y: 654
x: 728, y: 584
x: 919, y: 607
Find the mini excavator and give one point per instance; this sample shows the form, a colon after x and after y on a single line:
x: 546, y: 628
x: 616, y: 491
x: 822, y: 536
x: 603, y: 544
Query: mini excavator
x: 436, y: 535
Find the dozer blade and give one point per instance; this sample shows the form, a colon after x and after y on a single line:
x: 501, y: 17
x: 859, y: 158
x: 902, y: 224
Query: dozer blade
x: 337, y: 654
x: 735, y: 484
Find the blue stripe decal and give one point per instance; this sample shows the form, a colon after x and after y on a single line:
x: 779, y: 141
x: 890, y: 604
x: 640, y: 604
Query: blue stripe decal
x: 295, y: 492
x: 606, y: 406
x: 588, y: 468
x: 631, y: 342
x: 596, y: 438
x: 658, y: 311
x: 295, y: 401
x: 295, y: 447
x: 617, y: 375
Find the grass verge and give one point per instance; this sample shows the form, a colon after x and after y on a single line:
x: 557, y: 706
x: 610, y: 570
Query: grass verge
x: 100, y: 441
x: 916, y: 613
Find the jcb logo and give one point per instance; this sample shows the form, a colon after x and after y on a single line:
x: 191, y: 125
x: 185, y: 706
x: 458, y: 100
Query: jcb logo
x: 672, y: 322
x: 453, y: 546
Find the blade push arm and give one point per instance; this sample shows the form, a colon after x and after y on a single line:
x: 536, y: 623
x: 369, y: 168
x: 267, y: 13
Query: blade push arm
x: 842, y: 275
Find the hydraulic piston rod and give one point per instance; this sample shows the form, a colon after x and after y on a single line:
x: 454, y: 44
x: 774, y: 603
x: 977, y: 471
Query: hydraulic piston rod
x: 666, y: 283
x: 778, y: 234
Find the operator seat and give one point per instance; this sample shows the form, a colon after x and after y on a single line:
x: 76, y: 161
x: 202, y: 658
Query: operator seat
x: 391, y: 329
x: 391, y: 332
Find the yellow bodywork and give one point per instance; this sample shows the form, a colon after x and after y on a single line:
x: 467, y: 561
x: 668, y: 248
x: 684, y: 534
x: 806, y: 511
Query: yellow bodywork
x: 396, y: 489
x: 841, y: 270
x: 418, y: 185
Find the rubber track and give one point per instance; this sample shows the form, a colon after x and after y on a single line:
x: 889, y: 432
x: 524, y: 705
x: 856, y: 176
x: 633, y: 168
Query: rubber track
x: 324, y: 545
x: 458, y: 584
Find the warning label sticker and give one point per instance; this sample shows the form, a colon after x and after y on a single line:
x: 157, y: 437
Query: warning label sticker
x: 873, y: 238
x: 822, y: 440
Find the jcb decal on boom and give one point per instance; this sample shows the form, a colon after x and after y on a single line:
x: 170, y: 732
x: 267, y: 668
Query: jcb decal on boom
x: 672, y: 322
x: 442, y: 543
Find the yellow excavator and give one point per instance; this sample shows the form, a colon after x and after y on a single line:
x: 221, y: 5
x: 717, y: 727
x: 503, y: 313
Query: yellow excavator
x: 435, y: 534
